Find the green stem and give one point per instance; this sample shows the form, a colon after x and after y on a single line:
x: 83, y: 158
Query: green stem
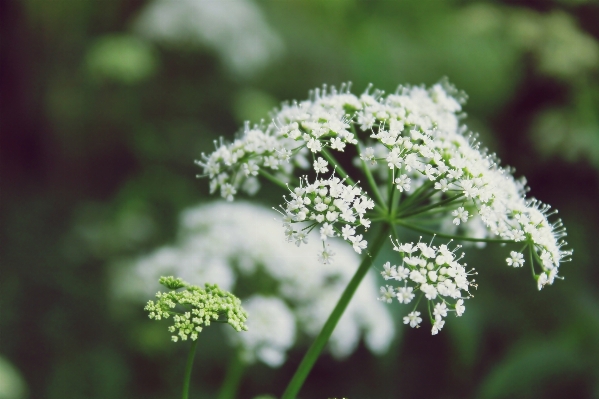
x: 415, y: 195
x: 442, y: 235
x: 532, y: 265
x: 423, y: 197
x: 190, y: 357
x: 390, y: 190
x: 273, y: 179
x: 431, y: 206
x: 396, y: 201
x: 232, y: 378
x: 441, y: 209
x: 317, y: 346
x: 338, y: 167
x: 377, y: 194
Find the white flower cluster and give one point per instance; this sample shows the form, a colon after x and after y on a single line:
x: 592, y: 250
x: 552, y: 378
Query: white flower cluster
x: 412, y: 137
x: 420, y: 136
x: 432, y: 272
x: 271, y: 330
x: 327, y: 202
x: 295, y: 131
x: 239, y: 246
x: 235, y: 166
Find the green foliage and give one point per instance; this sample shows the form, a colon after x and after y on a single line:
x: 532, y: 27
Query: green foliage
x: 121, y: 58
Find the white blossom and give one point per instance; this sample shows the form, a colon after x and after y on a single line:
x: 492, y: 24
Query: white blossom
x: 413, y: 318
x: 516, y: 259
x: 328, y: 201
x: 387, y: 294
x: 434, y: 273
x: 403, y: 183
x: 321, y: 166
x: 437, y: 325
x: 460, y: 214
x: 405, y: 294
x: 429, y: 157
x: 459, y: 307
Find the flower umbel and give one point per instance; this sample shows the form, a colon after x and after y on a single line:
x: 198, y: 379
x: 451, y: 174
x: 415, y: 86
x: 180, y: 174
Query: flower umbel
x: 414, y: 163
x: 328, y: 203
x: 409, y: 143
x: 202, y: 306
x: 430, y: 272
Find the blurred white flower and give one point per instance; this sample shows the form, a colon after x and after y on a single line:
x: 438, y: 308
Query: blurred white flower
x: 225, y: 243
x: 271, y: 331
x: 235, y: 29
x: 12, y: 384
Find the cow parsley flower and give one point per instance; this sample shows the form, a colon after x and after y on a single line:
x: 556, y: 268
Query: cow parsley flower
x: 516, y: 259
x: 271, y: 331
x: 432, y: 272
x: 328, y: 203
x: 200, y: 307
x: 413, y: 319
x: 414, y: 161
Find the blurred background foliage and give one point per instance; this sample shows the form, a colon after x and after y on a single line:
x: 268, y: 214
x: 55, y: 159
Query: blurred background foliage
x: 105, y: 105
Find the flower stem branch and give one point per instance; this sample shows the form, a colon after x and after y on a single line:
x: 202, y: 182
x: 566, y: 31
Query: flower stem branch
x: 317, y: 346
x: 532, y: 265
x: 390, y: 191
x: 377, y: 194
x: 188, y: 367
x: 232, y: 378
x: 327, y: 155
x: 442, y: 235
x: 273, y: 179
x: 415, y: 195
x: 431, y: 206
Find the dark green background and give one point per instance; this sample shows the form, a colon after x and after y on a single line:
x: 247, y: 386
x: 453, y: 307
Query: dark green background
x: 97, y: 162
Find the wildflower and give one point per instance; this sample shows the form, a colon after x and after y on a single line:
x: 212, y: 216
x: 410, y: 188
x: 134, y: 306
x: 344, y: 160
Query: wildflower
x: 459, y: 307
x: 320, y: 165
x: 434, y: 273
x: 368, y: 156
x: 413, y: 318
x: 326, y: 256
x: 438, y: 169
x: 405, y: 294
x: 326, y: 231
x: 516, y: 259
x: 206, y: 304
x: 542, y: 280
x: 437, y: 325
x: 389, y: 271
x: 403, y: 183
x: 440, y: 310
x: 387, y: 294
x: 271, y: 331
x: 328, y: 201
x: 460, y: 214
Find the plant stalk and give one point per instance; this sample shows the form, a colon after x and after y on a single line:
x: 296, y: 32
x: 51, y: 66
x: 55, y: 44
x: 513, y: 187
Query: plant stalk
x: 232, y: 378
x: 187, y: 379
x: 317, y: 346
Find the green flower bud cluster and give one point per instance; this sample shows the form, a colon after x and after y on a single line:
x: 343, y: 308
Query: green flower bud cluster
x: 202, y: 306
